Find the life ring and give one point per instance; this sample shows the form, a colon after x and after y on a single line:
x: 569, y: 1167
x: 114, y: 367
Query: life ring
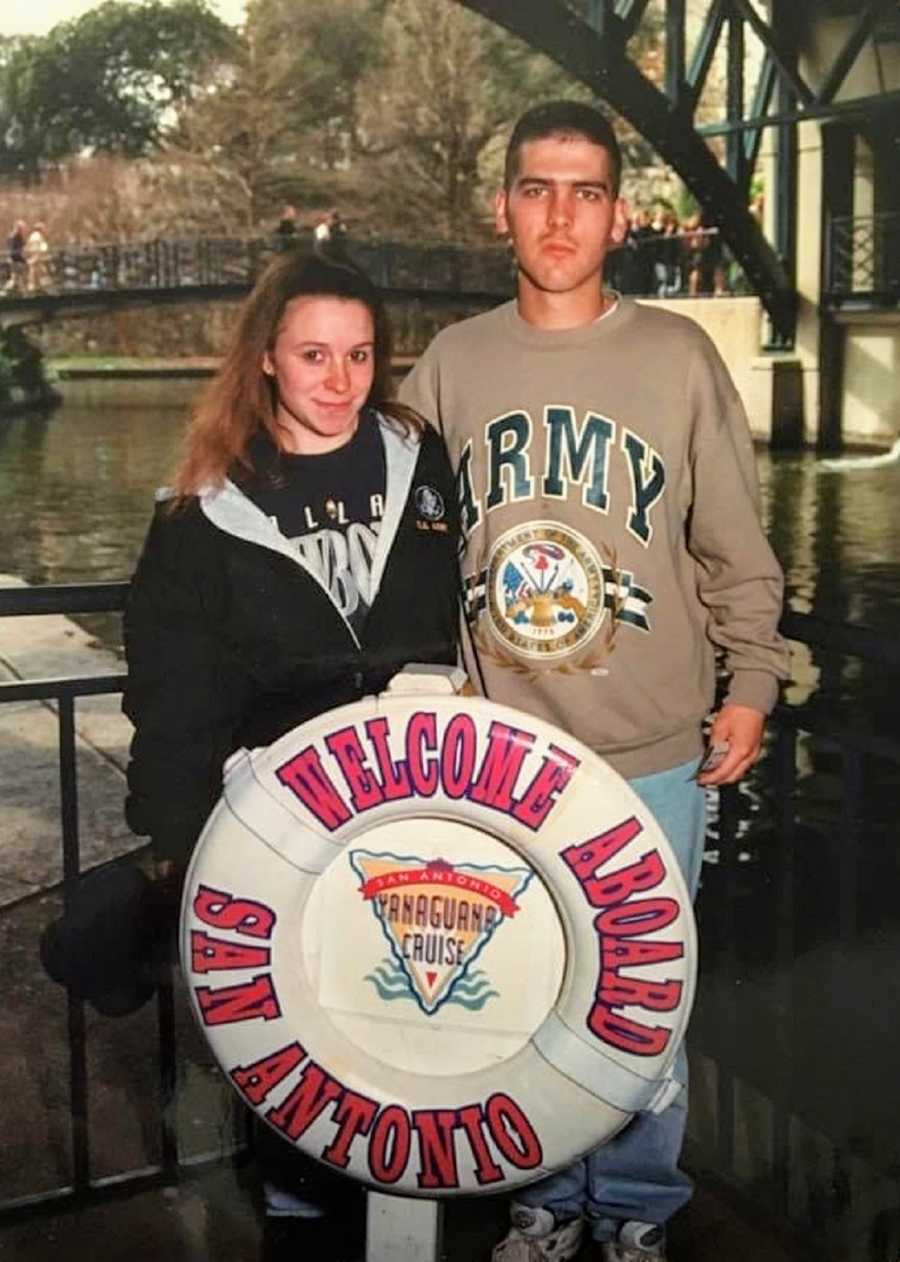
x: 438, y: 944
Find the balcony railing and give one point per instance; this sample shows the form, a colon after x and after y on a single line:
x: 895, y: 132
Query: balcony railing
x: 863, y: 261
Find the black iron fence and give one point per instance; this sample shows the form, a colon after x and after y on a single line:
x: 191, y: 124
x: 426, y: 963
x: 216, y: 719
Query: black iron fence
x: 233, y: 263
x: 863, y: 260
x: 83, y: 1186
x: 801, y: 866
x: 683, y: 263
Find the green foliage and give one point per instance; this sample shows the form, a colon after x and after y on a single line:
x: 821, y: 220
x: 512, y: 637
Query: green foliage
x: 449, y: 85
x: 22, y: 365
x: 104, y: 81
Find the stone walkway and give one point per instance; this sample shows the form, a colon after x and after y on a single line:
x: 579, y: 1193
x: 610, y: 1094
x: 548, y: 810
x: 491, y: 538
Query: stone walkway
x: 47, y: 647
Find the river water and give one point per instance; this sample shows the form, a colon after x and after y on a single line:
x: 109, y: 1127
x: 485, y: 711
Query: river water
x: 76, y: 490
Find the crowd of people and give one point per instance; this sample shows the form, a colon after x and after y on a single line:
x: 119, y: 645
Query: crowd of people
x: 665, y: 257
x: 27, y: 254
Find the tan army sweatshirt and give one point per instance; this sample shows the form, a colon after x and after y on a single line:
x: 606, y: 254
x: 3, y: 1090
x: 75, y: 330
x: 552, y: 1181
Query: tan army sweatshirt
x: 608, y: 495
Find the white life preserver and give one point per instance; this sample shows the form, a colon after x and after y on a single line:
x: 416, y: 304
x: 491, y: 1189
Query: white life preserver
x: 438, y: 944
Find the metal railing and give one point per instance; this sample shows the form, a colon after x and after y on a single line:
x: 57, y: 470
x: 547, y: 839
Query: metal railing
x: 863, y: 260
x: 231, y: 264
x: 649, y: 264
x: 83, y: 1188
x: 715, y: 1031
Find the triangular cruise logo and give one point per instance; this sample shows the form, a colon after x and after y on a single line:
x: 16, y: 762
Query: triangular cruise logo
x: 437, y: 918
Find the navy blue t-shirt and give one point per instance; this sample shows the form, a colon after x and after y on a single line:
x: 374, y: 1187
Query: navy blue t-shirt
x: 330, y: 508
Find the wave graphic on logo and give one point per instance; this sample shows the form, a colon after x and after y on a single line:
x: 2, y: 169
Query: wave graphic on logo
x: 472, y: 991
x: 437, y: 918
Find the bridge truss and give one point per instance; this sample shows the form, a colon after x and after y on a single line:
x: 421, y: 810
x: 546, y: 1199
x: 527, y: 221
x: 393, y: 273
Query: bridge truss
x: 592, y: 45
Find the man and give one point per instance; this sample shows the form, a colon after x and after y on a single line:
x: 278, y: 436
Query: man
x: 286, y: 229
x: 15, y: 248
x: 607, y: 486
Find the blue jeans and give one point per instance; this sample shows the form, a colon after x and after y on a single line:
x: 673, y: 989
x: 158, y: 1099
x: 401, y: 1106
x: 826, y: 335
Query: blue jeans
x: 635, y: 1177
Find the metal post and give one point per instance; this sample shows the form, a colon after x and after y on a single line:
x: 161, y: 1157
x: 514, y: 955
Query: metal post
x: 734, y: 143
x: 403, y: 1229
x: 783, y: 25
x: 675, y: 51
x: 78, y: 1074
x: 836, y: 279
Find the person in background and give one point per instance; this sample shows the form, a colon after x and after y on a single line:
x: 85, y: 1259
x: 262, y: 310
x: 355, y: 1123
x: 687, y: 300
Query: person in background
x: 641, y: 240
x: 337, y: 244
x: 667, y: 254
x: 37, y: 249
x: 286, y: 228
x: 322, y: 234
x: 694, y: 270
x: 286, y: 572
x: 715, y: 271
x: 608, y: 433
x: 15, y: 249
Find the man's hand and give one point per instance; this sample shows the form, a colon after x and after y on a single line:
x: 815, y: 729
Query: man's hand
x: 741, y: 728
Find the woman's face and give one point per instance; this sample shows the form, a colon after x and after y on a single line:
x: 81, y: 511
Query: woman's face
x: 322, y: 363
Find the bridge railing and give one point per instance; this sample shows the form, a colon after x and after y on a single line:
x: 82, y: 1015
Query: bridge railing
x: 756, y: 883
x: 206, y: 263
x: 863, y: 260
x: 647, y: 265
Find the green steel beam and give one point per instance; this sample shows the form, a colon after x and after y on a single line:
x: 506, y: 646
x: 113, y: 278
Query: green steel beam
x: 735, y: 152
x: 675, y: 51
x: 865, y: 21
x: 632, y: 16
x: 704, y: 51
x: 861, y: 107
x: 759, y: 109
x: 775, y: 44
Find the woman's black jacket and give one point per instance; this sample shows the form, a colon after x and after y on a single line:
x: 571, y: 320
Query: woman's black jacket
x: 231, y: 641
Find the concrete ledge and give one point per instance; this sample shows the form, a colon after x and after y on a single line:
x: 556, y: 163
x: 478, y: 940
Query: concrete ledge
x: 735, y: 326
x: 49, y: 647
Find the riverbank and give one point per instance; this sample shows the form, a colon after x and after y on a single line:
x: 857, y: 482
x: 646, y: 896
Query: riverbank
x: 131, y: 368
x: 117, y: 381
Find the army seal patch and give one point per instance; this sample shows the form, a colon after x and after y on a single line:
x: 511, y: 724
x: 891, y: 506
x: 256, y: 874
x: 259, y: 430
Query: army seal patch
x: 545, y: 589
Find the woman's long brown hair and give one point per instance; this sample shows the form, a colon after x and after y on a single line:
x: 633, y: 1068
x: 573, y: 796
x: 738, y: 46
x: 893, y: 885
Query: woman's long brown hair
x: 240, y: 399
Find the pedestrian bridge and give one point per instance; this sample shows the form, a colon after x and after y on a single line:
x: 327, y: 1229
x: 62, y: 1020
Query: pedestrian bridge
x: 86, y: 278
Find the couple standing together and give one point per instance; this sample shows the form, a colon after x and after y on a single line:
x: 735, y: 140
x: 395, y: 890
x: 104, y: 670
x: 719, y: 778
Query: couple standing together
x: 601, y: 479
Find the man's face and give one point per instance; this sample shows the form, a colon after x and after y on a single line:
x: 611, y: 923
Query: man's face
x: 561, y: 213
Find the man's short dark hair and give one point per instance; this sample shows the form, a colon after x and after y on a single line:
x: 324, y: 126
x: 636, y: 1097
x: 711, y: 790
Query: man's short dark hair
x: 563, y: 118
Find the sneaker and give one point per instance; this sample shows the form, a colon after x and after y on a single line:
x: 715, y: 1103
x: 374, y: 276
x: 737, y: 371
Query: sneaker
x: 535, y: 1236
x: 637, y: 1242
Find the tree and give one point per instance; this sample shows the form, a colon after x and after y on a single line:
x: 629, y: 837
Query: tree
x: 279, y: 120
x: 452, y: 85
x: 106, y: 81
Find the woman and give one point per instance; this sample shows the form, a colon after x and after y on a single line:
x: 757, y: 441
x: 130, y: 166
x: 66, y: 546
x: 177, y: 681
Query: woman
x: 306, y: 553
x: 36, y: 251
